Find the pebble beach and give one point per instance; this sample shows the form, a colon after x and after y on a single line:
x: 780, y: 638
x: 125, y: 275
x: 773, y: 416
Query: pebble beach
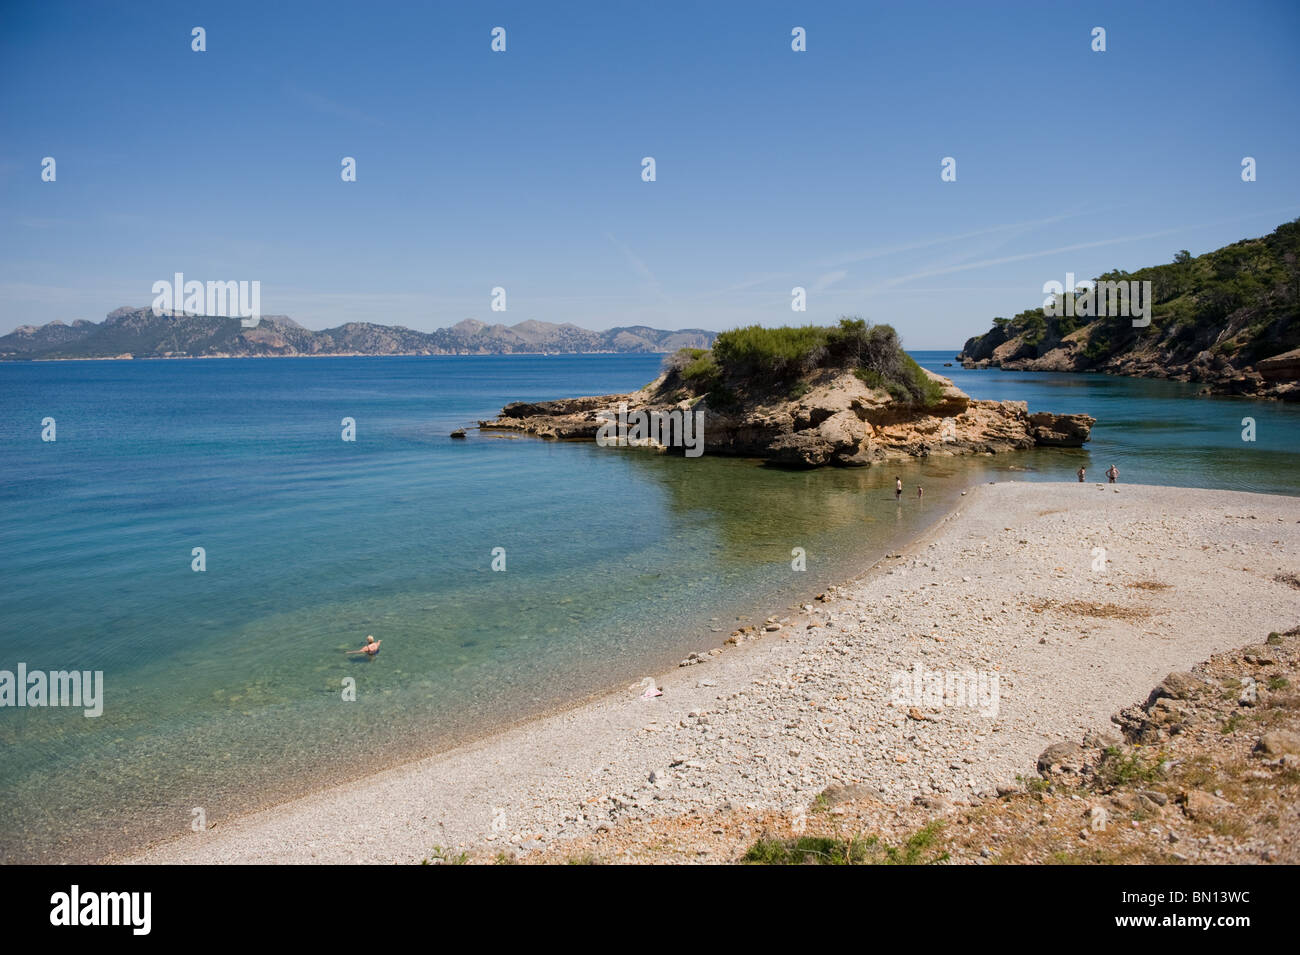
x: 1069, y: 600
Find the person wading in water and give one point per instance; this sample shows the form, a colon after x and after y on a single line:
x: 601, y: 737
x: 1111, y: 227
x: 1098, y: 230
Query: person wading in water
x: 370, y: 649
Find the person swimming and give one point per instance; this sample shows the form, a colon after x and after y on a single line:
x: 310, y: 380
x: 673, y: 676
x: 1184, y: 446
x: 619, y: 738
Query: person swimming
x: 370, y: 649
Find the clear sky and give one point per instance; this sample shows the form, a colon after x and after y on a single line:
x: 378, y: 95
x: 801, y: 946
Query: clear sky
x: 523, y: 169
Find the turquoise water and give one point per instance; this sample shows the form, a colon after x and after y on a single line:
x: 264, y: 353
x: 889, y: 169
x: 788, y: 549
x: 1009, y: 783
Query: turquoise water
x: 1155, y: 432
x: 224, y: 689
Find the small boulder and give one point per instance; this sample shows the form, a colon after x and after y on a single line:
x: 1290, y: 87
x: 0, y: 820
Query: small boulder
x: 1060, y: 430
x: 837, y: 793
x: 1202, y: 805
x: 1100, y: 739
x: 1278, y: 743
x: 1061, y: 758
x: 1178, y: 686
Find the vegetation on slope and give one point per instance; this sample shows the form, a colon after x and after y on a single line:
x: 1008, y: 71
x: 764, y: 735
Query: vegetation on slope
x: 755, y: 360
x: 1241, y: 302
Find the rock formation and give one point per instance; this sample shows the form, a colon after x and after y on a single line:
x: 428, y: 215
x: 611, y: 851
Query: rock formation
x: 1228, y: 319
x: 838, y: 420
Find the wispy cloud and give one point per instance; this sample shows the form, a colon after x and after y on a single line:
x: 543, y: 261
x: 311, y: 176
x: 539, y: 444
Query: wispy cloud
x: 830, y: 278
x: 827, y: 279
x: 1040, y: 253
x: 323, y: 104
x: 639, y: 266
x: 752, y: 282
x: 863, y: 255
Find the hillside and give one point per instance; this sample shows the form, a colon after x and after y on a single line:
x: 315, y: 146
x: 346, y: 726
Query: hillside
x: 803, y: 397
x: 139, y: 333
x: 1229, y: 318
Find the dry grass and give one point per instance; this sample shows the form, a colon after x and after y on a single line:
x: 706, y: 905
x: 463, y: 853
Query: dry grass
x: 1084, y: 608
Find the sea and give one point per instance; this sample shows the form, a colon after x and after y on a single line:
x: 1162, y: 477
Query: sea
x: 200, y: 533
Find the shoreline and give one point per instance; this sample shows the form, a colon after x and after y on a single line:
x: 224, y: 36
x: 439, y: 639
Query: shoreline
x: 568, y: 773
x: 860, y: 564
x: 1210, y: 387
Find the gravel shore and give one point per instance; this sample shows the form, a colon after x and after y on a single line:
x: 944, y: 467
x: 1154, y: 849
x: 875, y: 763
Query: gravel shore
x: 1071, y: 600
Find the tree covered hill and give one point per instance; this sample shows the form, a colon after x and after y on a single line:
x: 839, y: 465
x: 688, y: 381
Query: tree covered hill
x: 1229, y: 318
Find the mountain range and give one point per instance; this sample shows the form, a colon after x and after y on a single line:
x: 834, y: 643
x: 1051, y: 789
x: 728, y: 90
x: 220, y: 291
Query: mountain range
x: 139, y: 333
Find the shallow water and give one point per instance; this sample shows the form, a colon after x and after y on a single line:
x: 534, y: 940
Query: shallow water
x: 225, y: 689
x: 1155, y: 432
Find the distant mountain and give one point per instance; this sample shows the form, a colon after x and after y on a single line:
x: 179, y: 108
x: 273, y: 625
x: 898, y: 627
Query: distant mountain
x: 1229, y: 318
x: 139, y: 333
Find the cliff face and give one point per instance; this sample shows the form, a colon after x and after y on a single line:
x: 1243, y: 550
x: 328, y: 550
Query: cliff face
x: 1229, y: 318
x: 137, y: 332
x: 839, y: 420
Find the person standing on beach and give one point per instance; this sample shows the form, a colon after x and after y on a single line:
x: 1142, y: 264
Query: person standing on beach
x: 1112, y: 473
x: 898, y: 488
x: 1081, y: 473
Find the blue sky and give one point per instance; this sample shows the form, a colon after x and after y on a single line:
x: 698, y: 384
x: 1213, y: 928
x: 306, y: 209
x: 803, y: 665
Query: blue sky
x: 523, y: 169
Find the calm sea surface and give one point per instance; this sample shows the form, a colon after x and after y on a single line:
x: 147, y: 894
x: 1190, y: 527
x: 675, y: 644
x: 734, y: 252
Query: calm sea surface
x: 224, y: 689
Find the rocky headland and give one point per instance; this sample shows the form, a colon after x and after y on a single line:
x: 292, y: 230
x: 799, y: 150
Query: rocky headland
x: 1228, y: 319
x: 832, y: 413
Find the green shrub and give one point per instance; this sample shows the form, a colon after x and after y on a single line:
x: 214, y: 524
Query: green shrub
x: 806, y: 850
x: 824, y: 850
x: 1034, y: 329
x: 872, y: 379
x: 783, y: 353
x: 757, y: 357
x: 702, y: 369
x: 908, y: 384
x: 1118, y: 768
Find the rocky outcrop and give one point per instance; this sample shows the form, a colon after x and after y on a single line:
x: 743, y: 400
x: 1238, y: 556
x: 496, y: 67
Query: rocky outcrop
x: 1227, y: 319
x: 1060, y: 430
x: 1283, y: 367
x: 1277, y: 377
x: 838, y: 421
